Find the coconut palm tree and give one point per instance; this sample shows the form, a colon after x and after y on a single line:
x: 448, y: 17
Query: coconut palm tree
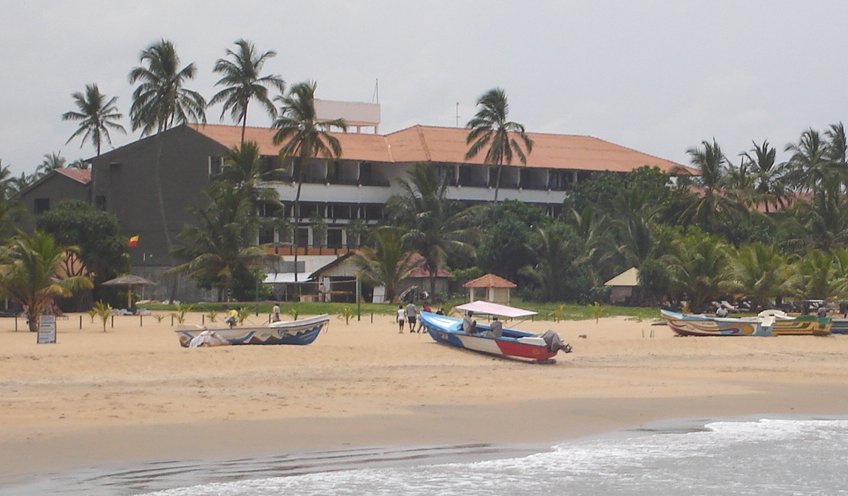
x: 436, y: 227
x: 160, y: 100
x: 51, y: 162
x: 387, y: 263
x: 815, y: 277
x: 221, y: 243
x: 557, y: 250
x: 501, y: 138
x: 96, y: 114
x: 304, y: 137
x: 699, y: 268
x: 29, y: 273
x: 810, y: 166
x: 760, y: 272
x: 768, y: 175
x: 242, y: 82
x: 710, y: 202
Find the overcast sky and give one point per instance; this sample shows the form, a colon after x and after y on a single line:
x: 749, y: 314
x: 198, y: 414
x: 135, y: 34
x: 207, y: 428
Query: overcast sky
x: 658, y: 76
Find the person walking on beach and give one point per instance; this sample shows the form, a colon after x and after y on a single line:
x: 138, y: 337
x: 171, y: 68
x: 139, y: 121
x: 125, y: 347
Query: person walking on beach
x: 424, y: 308
x: 411, y: 316
x: 401, y: 318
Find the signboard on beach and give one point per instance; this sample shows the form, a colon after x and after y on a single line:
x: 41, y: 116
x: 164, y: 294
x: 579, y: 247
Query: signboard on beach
x: 46, y: 329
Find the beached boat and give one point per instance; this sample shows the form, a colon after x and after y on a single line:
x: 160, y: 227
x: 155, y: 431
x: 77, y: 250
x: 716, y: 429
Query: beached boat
x: 297, y: 332
x: 511, y: 344
x: 767, y: 323
x: 839, y: 326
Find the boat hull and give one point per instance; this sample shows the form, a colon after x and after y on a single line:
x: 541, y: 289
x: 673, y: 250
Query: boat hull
x: 298, y: 332
x: 700, y: 325
x: 703, y: 325
x: 513, y: 344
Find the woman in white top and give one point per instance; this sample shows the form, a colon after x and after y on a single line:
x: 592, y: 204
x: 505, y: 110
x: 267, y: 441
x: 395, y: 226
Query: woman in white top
x: 401, y: 318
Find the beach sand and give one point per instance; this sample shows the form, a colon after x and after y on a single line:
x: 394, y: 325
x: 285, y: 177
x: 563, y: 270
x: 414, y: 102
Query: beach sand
x: 133, y: 395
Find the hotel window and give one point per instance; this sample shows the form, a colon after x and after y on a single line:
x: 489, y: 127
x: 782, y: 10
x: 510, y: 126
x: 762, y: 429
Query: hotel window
x: 216, y: 165
x: 334, y: 237
x: 42, y: 205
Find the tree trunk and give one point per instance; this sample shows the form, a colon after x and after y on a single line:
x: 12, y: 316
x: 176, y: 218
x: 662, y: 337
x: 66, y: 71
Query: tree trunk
x: 297, y: 222
x: 497, y: 182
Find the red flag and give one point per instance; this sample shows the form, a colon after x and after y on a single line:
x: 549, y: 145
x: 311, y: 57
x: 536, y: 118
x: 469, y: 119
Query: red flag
x: 133, y: 241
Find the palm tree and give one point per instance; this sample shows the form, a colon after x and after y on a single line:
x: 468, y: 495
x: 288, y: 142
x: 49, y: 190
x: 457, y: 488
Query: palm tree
x: 768, y: 175
x: 501, y: 138
x: 760, y: 272
x: 711, y: 201
x: 815, y: 277
x: 242, y: 82
x: 698, y: 268
x: 221, y: 244
x: 437, y: 227
x: 555, y: 247
x: 51, y: 162
x: 30, y: 270
x: 386, y: 263
x: 304, y: 137
x: 97, y: 114
x: 810, y: 166
x: 160, y: 101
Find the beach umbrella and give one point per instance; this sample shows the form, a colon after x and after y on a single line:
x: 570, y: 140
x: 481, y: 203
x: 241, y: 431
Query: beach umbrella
x: 129, y: 281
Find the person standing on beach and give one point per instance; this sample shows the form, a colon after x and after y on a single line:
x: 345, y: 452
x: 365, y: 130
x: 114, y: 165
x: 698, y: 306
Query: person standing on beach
x: 275, y: 313
x: 411, y: 316
x: 401, y: 318
x: 424, y: 308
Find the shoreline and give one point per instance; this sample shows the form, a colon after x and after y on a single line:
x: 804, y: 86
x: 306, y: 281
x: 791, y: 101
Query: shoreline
x: 132, y: 396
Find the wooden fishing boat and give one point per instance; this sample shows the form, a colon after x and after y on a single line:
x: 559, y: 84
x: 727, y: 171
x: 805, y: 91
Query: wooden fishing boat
x: 297, y: 332
x: 804, y: 325
x: 839, y: 326
x: 767, y: 323
x: 703, y: 325
x: 511, y: 344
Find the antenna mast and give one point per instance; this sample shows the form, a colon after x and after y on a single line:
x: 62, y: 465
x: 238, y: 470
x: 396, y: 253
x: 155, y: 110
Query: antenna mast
x: 457, y: 114
x: 376, y: 96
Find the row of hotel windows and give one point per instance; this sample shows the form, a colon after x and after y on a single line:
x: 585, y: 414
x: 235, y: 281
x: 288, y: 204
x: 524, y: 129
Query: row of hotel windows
x: 344, y: 172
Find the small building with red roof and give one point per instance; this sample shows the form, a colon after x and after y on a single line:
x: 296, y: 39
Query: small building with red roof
x: 490, y: 287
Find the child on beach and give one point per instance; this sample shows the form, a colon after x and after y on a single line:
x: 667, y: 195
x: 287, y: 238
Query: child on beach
x: 401, y: 318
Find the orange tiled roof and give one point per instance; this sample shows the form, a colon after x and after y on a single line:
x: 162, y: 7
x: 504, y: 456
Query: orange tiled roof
x: 447, y: 144
x: 79, y: 175
x: 489, y: 281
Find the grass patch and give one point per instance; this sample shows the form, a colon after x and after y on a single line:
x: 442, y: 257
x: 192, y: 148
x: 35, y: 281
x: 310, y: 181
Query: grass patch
x: 564, y: 311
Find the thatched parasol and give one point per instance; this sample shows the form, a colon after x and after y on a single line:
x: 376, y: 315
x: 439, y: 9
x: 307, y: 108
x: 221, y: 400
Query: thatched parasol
x: 129, y: 281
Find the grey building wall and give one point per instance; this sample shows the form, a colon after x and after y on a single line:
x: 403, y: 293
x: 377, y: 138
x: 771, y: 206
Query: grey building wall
x: 124, y: 182
x: 50, y: 191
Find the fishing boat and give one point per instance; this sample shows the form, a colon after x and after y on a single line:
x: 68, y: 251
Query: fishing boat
x: 839, y: 326
x: 767, y: 323
x: 511, y: 344
x: 296, y: 332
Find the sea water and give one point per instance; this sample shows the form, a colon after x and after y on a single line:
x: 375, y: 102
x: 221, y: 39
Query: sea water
x: 740, y: 457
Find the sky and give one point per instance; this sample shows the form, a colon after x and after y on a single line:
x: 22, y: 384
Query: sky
x: 659, y: 76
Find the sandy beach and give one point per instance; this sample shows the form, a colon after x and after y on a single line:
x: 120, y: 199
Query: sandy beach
x: 133, y: 395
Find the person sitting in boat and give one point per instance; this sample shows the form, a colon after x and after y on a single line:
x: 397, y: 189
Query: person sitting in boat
x: 469, y: 326
x: 721, y: 312
x: 497, y: 327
